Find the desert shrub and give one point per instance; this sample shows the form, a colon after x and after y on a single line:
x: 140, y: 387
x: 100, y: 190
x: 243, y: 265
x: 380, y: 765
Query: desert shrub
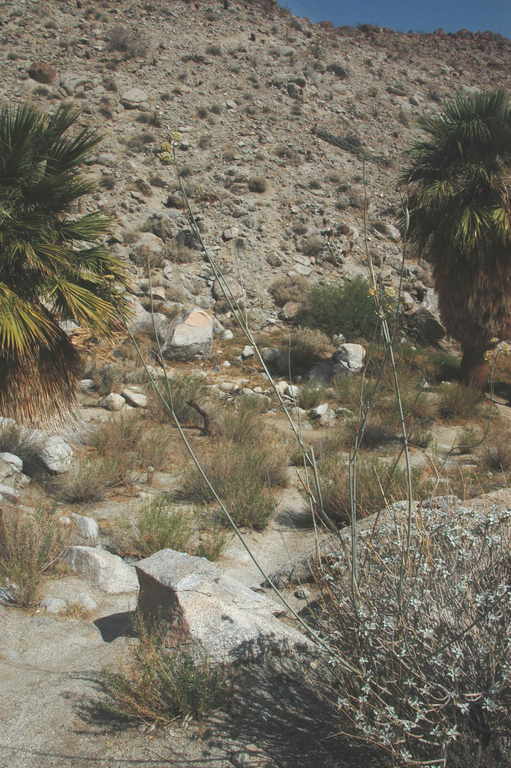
x: 89, y: 479
x: 312, y: 246
x: 160, y: 526
x: 311, y: 395
x: 257, y: 184
x: 30, y: 544
x: 496, y: 455
x: 177, y: 392
x: 378, y: 483
x: 285, y: 289
x: 242, y: 474
x: 25, y: 443
x: 128, y: 41
x: 346, y: 308
x: 458, y: 401
x: 159, y: 684
x: 427, y: 639
x: 242, y: 423
x: 302, y: 349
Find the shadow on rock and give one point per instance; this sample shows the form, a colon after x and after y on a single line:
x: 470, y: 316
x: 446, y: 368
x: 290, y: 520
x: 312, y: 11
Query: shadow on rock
x: 117, y: 625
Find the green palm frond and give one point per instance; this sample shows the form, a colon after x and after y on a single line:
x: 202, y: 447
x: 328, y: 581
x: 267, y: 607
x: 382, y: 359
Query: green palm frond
x: 53, y: 265
x: 22, y: 325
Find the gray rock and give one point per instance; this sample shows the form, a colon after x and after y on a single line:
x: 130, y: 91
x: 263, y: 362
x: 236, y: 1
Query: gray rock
x: 192, y: 597
x: 135, y: 398
x: 102, y: 569
x: 8, y: 494
x: 134, y: 98
x: 56, y: 454
x: 13, y: 461
x: 234, y: 289
x: 113, y: 402
x: 86, y: 385
x: 247, y: 351
x: 187, y: 337
x: 350, y: 357
x: 53, y: 604
x: 87, y: 527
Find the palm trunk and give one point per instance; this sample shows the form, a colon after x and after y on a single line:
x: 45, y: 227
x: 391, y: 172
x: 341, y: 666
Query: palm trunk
x: 474, y: 367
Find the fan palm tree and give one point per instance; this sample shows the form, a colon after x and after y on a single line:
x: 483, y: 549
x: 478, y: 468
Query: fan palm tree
x: 53, y: 264
x: 460, y: 219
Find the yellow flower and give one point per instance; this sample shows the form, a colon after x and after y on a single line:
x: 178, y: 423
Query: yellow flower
x: 175, y: 136
x: 165, y: 146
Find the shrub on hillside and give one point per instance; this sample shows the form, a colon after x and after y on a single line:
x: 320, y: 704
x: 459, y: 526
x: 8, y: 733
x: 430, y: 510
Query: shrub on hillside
x: 346, y: 308
x: 285, y: 289
x: 302, y: 349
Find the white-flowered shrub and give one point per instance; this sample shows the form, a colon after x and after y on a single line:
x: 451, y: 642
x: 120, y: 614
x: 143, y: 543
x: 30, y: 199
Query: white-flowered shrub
x: 429, y: 635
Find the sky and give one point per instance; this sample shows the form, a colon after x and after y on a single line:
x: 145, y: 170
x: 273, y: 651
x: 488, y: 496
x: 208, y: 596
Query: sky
x: 405, y: 15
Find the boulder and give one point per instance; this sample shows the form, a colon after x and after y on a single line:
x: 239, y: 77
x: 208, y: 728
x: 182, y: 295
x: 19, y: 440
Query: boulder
x: 134, y: 98
x: 11, y: 471
x: 56, y: 454
x: 102, y: 569
x: 349, y: 357
x: 424, y: 323
x: 187, y: 337
x: 234, y: 289
x: 87, y: 527
x: 42, y: 72
x: 113, y: 402
x: 135, y: 398
x: 191, y: 598
x: 8, y: 494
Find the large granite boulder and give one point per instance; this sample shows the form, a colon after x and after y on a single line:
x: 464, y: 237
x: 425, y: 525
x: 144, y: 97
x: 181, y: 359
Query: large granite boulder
x: 102, y: 569
x: 187, y: 337
x: 190, y: 598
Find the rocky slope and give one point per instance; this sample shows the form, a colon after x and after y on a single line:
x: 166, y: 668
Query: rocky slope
x: 281, y: 121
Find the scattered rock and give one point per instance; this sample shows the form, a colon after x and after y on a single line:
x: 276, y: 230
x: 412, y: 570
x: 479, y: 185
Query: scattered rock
x: 188, y: 337
x: 42, y: 72
x: 194, y: 599
x: 113, y: 402
x: 87, y: 528
x: 350, y: 357
x: 135, y: 398
x: 102, y: 569
x: 56, y: 454
x: 247, y: 351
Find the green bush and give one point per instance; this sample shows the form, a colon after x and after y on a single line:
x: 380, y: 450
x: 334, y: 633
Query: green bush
x: 302, y: 349
x: 346, y: 308
x: 177, y: 392
x: 162, y: 527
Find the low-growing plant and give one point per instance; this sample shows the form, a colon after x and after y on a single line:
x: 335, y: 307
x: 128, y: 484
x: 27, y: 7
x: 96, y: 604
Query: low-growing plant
x: 130, y: 42
x: 257, y: 184
x: 178, y: 391
x: 379, y: 483
x: 285, y: 289
x: 427, y: 638
x: 347, y: 308
x: 31, y: 543
x: 311, y: 394
x: 161, y: 526
x: 90, y: 479
x: 458, y: 401
x: 159, y: 684
x: 302, y: 349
